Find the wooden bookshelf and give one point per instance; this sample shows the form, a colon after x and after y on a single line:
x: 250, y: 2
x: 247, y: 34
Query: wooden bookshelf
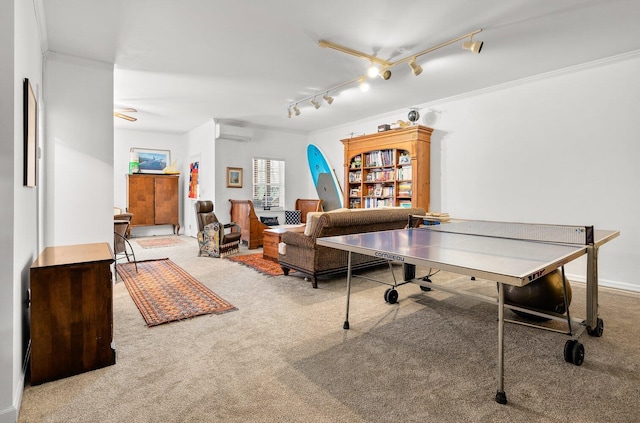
x: 389, y: 168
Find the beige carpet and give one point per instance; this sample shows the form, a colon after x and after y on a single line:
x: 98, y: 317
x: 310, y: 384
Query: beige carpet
x: 284, y: 357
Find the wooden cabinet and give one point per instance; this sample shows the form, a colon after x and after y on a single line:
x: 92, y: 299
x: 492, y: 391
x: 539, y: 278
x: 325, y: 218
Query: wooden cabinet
x: 153, y: 200
x: 71, y: 311
x: 389, y: 168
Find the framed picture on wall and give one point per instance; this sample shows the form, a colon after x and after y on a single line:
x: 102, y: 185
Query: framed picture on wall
x: 152, y: 161
x: 234, y: 177
x: 30, y: 134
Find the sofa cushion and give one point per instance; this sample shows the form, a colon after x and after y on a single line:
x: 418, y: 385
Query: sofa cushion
x: 312, y: 222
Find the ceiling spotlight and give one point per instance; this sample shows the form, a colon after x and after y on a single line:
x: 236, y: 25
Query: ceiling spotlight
x: 296, y: 110
x: 415, y: 68
x: 290, y: 112
x: 385, y: 74
x: 373, y: 71
x: 315, y: 103
x: 364, y: 85
x: 473, y: 46
x: 327, y: 98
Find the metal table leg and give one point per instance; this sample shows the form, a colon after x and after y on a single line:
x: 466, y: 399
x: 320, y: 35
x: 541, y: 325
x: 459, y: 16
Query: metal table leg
x: 501, y: 396
x: 346, y: 317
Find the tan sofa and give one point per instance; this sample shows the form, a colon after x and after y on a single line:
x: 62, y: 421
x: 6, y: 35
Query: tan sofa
x: 300, y: 251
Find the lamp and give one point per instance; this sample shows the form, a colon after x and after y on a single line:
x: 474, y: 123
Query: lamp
x: 364, y: 85
x: 385, y: 74
x: 473, y: 46
x: 315, y: 103
x: 373, y: 71
x: 327, y: 98
x: 415, y: 68
x: 289, y: 112
x: 296, y: 110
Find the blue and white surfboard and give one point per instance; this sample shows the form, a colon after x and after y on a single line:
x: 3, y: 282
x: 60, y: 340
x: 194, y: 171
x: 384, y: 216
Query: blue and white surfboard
x: 325, y: 180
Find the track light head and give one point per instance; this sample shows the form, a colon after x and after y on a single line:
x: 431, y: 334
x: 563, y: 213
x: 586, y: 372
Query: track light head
x: 315, y: 103
x: 364, y: 85
x: 289, y: 112
x: 386, y: 74
x: 473, y: 46
x: 373, y: 71
x: 327, y: 98
x: 296, y: 110
x: 415, y: 68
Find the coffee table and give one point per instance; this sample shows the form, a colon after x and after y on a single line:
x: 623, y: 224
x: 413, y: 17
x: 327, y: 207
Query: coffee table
x: 271, y: 238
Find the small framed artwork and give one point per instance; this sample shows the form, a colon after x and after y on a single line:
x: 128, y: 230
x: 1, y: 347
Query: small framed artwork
x: 30, y: 134
x: 234, y: 177
x: 152, y: 161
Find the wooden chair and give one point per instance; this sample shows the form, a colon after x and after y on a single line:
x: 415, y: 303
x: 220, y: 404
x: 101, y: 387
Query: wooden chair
x: 307, y: 205
x: 121, y: 247
x: 243, y: 213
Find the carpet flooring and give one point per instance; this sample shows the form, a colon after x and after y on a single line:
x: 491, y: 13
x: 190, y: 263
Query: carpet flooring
x: 256, y: 262
x: 164, y: 292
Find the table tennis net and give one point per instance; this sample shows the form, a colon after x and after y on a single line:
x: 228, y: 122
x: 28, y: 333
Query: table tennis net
x: 561, y: 234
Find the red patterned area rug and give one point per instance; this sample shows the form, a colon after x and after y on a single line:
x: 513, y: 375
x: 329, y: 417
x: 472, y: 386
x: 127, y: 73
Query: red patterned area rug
x: 255, y: 261
x: 164, y: 292
x: 159, y: 242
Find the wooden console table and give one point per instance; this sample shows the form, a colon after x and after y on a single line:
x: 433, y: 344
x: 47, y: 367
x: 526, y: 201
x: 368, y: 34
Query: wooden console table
x: 71, y: 311
x: 272, y: 237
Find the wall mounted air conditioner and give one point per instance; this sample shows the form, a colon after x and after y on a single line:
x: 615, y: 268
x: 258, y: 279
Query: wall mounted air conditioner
x: 236, y: 133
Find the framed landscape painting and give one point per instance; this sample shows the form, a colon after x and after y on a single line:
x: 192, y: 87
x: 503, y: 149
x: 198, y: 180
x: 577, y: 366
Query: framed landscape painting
x: 234, y: 177
x: 152, y: 161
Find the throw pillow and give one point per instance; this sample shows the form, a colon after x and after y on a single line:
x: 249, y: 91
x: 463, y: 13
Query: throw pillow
x: 312, y: 222
x: 292, y: 217
x: 269, y: 221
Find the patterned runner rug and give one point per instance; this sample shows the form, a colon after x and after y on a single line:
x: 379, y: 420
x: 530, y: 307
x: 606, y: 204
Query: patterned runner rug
x: 164, y: 292
x: 255, y: 261
x: 159, y: 242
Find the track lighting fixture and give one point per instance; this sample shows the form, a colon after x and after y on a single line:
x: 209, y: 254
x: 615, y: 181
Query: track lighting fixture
x: 415, y: 68
x: 473, y: 46
x: 289, y: 112
x: 381, y: 67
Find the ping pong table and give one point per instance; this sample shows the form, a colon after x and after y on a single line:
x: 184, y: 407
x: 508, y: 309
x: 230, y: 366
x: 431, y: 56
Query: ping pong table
x: 507, y: 253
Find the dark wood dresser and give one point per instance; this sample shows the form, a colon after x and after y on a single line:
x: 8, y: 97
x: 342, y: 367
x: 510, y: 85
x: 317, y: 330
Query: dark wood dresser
x: 71, y: 311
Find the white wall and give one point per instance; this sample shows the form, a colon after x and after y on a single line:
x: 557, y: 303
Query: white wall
x: 21, y: 58
x: 269, y: 144
x: 201, y: 149
x: 79, y: 150
x: 559, y: 148
x: 123, y: 141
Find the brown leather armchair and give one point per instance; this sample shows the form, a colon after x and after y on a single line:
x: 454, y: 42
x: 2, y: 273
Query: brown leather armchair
x: 215, y: 239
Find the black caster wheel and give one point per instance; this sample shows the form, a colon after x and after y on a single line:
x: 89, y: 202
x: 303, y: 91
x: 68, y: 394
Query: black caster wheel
x: 425, y: 288
x: 574, y: 352
x: 597, y: 331
x: 391, y: 296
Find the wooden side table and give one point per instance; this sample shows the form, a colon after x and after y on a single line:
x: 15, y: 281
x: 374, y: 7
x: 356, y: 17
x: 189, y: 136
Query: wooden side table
x: 272, y: 237
x: 71, y: 311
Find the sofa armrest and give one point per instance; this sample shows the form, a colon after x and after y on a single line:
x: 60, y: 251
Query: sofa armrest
x: 298, y: 239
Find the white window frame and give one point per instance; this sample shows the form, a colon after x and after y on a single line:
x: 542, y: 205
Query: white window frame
x: 268, y: 191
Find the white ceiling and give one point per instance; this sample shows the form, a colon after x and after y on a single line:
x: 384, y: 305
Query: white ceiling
x: 181, y: 63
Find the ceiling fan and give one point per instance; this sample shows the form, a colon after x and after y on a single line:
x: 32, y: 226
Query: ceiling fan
x: 120, y: 113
